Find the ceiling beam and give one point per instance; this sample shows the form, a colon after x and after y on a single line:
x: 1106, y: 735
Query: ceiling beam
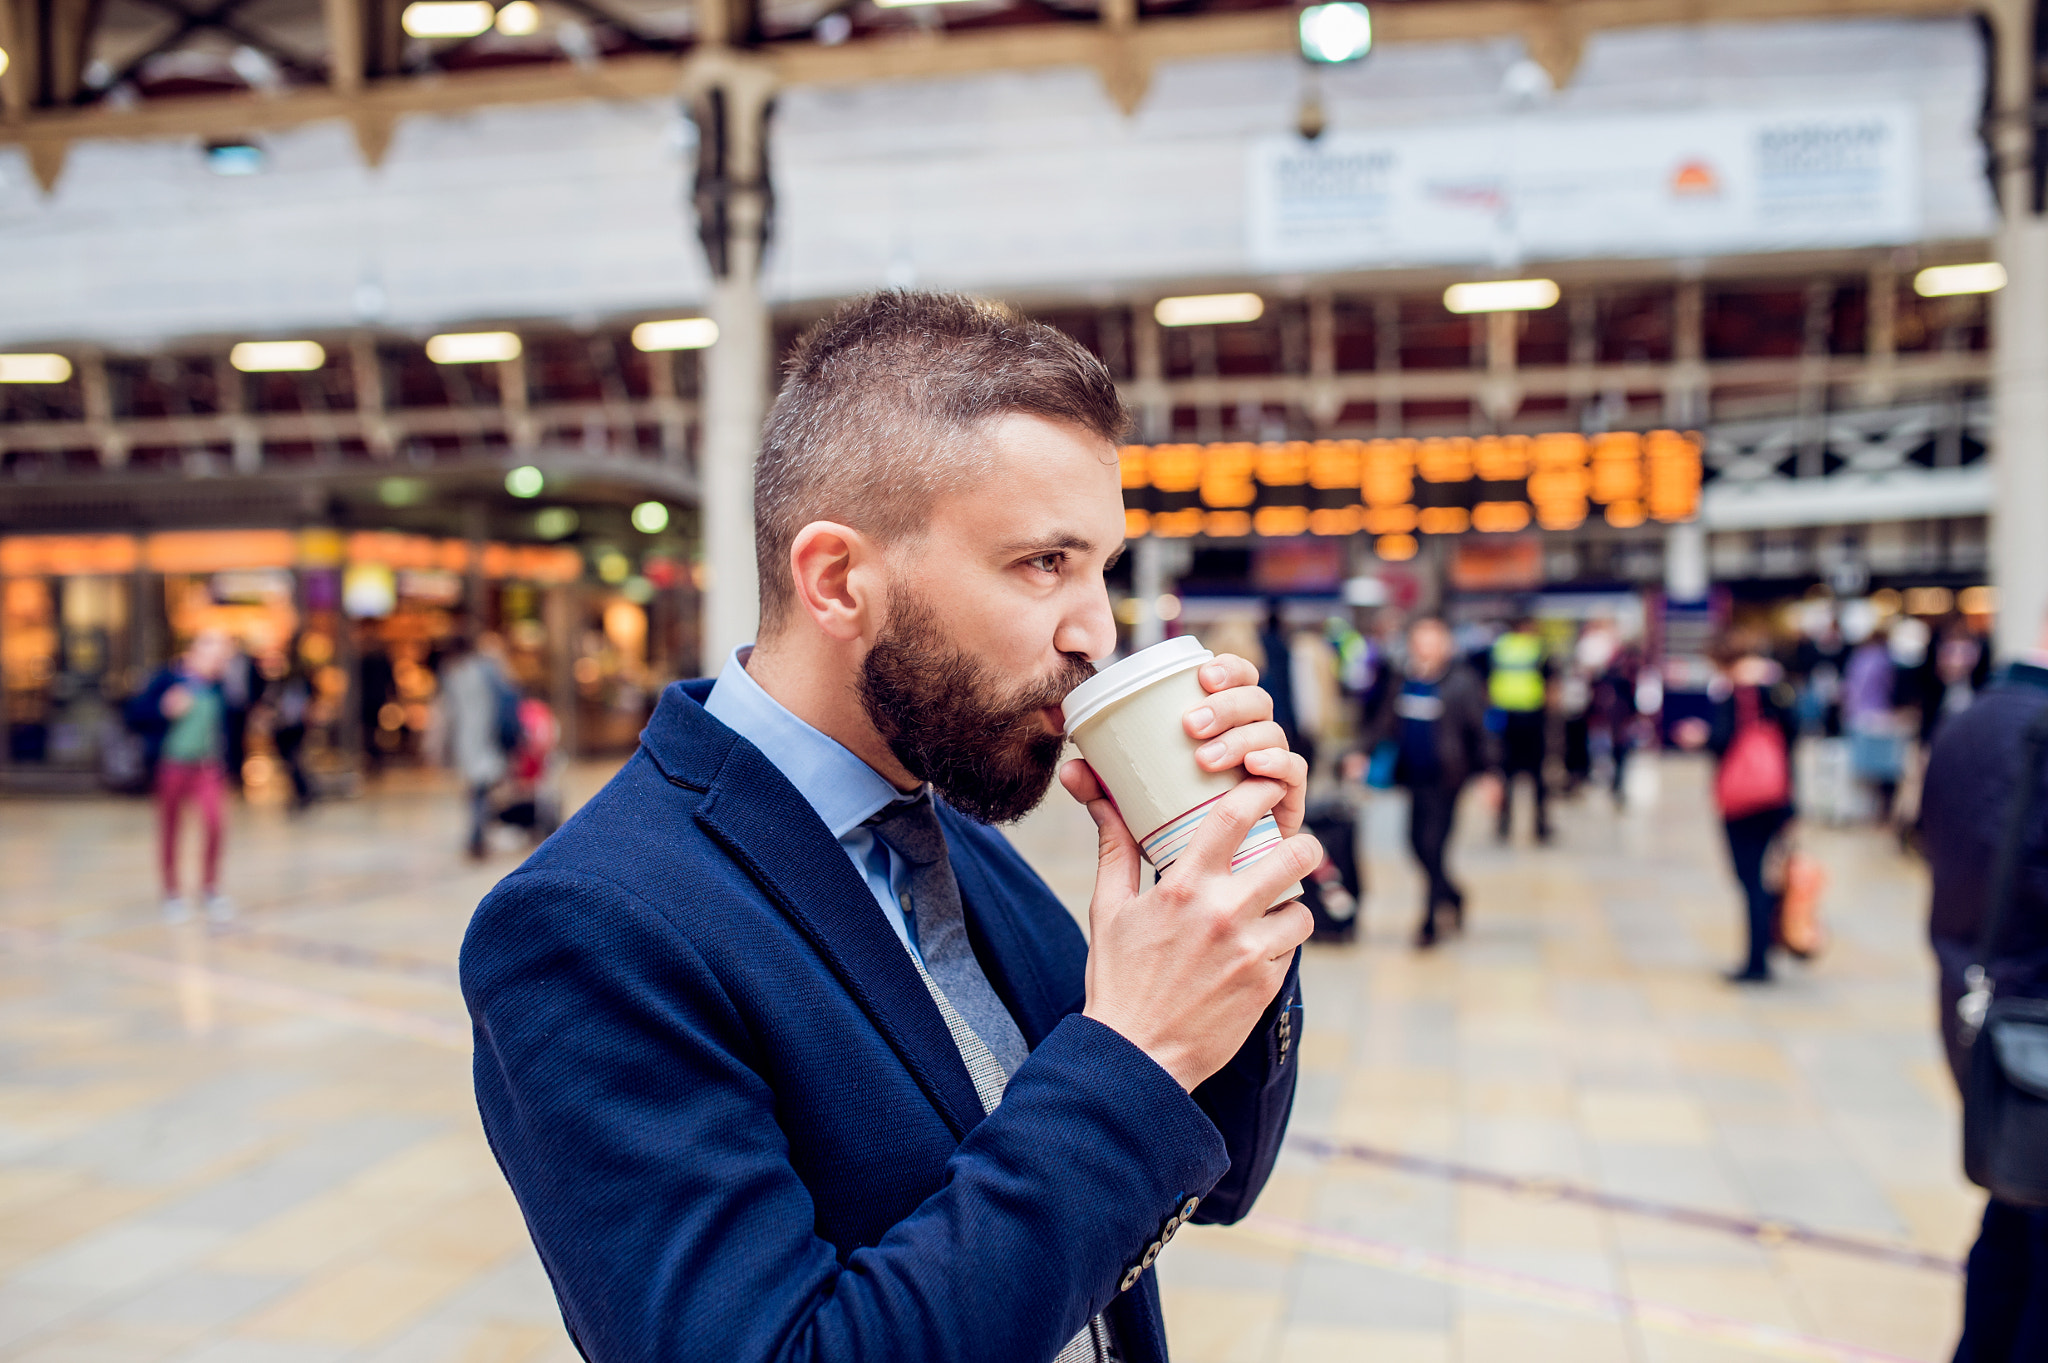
x: 1124, y: 48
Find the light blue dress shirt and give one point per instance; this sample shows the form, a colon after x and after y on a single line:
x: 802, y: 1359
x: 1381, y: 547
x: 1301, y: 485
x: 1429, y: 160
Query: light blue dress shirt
x: 844, y: 790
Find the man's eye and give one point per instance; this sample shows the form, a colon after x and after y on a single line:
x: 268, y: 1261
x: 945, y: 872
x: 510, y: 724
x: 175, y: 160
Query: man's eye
x: 1047, y: 563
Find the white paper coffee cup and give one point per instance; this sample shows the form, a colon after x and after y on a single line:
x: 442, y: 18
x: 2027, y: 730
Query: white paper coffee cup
x: 1127, y: 722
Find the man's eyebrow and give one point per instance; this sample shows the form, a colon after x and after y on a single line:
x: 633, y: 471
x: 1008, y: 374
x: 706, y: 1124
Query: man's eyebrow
x: 1067, y: 539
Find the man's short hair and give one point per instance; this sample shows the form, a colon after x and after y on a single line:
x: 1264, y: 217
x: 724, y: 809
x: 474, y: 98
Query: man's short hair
x: 881, y: 408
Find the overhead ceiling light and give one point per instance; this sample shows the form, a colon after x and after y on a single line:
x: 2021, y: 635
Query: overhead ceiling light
x: 1502, y: 295
x: 650, y: 518
x: 277, y: 357
x: 680, y: 333
x: 1335, y: 33
x: 1209, y: 309
x: 3, y: 61
x: 519, y: 19
x: 525, y: 481
x: 473, y: 347
x: 1945, y: 281
x: 34, y: 369
x: 448, y: 18
x: 234, y: 158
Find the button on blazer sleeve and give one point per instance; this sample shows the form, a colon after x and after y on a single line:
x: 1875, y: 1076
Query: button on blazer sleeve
x: 624, y: 1100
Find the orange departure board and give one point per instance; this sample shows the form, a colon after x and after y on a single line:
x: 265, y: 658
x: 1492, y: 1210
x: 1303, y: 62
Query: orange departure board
x: 1436, y: 486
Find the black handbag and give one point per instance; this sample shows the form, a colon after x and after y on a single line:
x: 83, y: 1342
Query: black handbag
x: 2005, y: 1105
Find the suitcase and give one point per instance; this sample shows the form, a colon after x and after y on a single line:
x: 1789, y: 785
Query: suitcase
x: 1335, y: 890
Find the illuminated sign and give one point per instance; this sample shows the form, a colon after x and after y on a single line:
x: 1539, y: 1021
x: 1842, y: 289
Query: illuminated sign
x: 1396, y: 489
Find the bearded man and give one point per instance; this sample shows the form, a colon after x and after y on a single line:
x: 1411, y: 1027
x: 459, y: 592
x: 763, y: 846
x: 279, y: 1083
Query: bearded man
x: 785, y: 1053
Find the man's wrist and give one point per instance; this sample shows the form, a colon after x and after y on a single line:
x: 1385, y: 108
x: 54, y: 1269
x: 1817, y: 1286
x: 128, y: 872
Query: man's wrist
x: 1167, y: 1056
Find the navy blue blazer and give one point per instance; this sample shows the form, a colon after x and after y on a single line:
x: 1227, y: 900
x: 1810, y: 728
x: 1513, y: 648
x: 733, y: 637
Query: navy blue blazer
x: 739, y: 1129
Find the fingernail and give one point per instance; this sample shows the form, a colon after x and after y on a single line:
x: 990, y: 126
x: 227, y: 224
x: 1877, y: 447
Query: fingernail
x: 1209, y: 752
x: 1214, y: 672
x: 1200, y: 718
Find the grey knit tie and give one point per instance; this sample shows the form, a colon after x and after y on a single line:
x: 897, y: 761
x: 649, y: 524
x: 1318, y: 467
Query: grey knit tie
x: 982, y: 1029
x: 912, y: 831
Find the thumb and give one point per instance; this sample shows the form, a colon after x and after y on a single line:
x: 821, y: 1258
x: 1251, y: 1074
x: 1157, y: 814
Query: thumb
x: 1117, y: 859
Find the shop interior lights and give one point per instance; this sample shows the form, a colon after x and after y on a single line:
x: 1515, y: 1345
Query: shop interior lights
x: 473, y: 347
x: 677, y: 333
x: 1209, y: 309
x: 525, y: 481
x: 1336, y: 33
x: 448, y: 18
x: 1946, y: 281
x: 277, y: 357
x: 1501, y: 295
x: 519, y: 19
x: 34, y: 369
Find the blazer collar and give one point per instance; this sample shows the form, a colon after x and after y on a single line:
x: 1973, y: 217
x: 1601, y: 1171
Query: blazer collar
x: 751, y: 809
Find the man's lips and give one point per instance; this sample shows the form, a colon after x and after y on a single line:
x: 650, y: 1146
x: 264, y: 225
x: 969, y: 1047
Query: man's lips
x: 1054, y: 717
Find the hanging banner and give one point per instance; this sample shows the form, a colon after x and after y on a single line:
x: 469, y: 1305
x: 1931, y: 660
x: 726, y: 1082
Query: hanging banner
x: 1539, y: 186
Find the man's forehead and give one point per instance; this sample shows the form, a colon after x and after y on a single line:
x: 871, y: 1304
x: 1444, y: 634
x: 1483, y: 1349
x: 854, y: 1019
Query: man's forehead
x: 1047, y: 486
x: 1025, y: 445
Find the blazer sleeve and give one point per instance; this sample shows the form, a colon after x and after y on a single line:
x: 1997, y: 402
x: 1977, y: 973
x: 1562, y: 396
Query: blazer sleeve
x: 624, y: 1099
x: 1249, y: 1100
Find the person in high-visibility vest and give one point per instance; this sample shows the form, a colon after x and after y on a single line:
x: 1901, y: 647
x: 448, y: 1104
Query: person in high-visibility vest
x: 1517, y: 686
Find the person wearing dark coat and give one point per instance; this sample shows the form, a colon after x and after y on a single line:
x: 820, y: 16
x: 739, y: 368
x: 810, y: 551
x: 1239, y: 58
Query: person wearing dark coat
x: 1972, y: 772
x: 1434, y: 708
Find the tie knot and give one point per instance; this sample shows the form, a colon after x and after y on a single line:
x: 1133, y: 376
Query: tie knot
x: 911, y: 830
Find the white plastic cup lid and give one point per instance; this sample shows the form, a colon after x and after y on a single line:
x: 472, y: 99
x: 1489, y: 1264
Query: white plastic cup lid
x: 1134, y: 673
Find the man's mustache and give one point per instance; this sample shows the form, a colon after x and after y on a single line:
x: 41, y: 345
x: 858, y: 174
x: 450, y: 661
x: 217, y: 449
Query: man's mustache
x: 1072, y: 671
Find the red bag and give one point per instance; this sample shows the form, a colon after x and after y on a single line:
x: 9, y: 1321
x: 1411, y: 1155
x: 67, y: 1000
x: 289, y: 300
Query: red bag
x: 1756, y: 773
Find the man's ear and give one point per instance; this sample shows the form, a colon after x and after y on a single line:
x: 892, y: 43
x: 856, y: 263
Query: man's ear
x: 832, y: 567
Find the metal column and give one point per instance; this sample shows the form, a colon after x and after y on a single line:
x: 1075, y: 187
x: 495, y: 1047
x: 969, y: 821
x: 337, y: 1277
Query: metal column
x: 2019, y: 382
x: 730, y: 97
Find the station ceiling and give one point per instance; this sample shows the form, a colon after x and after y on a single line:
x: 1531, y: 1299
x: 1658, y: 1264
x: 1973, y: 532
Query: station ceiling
x: 220, y: 69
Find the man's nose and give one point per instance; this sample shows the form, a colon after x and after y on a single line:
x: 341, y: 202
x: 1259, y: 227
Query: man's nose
x: 1089, y: 629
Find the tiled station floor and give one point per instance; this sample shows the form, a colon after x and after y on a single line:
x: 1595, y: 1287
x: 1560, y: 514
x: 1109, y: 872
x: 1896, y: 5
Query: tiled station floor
x: 1560, y: 1137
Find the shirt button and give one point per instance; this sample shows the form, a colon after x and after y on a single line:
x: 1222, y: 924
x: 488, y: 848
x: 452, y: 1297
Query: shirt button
x: 1151, y: 1253
x: 1131, y: 1279
x: 1188, y: 1208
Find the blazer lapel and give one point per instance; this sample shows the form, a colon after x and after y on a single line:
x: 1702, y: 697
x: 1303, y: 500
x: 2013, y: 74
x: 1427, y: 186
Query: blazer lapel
x: 769, y: 828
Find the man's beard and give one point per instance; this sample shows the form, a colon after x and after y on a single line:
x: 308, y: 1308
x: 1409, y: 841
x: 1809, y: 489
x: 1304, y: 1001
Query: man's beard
x: 951, y: 721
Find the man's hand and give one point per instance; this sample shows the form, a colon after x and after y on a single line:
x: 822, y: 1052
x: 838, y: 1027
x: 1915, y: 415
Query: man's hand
x: 1184, y: 970
x: 1235, y: 728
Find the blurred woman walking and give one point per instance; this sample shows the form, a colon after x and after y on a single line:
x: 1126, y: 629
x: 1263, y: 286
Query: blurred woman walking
x: 1750, y: 735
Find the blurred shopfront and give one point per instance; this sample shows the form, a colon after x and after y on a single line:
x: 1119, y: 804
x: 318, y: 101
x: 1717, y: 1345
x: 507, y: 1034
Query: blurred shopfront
x: 363, y: 618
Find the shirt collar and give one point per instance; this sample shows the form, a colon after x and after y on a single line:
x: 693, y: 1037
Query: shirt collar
x: 844, y: 790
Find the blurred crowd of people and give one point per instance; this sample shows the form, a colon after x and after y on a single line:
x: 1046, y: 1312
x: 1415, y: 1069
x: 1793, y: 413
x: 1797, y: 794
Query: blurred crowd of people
x: 196, y: 723
x: 1556, y: 706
